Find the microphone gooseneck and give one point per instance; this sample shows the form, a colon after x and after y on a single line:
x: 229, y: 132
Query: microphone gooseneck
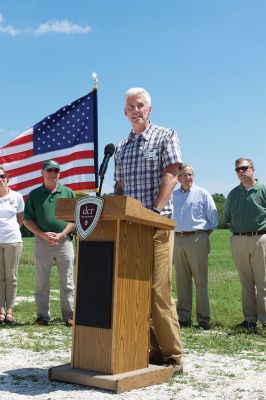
x: 108, y: 153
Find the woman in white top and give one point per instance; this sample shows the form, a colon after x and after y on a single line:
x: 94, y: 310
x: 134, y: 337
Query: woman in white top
x: 11, y: 219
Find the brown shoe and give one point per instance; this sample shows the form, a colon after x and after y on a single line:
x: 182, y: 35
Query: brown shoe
x: 177, y: 368
x: 41, y: 322
x: 9, y: 318
x: 69, y: 322
x: 2, y: 318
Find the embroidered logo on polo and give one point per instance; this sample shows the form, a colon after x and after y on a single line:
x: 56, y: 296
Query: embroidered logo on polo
x: 88, y: 212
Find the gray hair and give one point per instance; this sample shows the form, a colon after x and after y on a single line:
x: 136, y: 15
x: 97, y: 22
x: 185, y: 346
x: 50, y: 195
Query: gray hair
x: 138, y: 90
x: 183, y: 166
x: 251, y: 163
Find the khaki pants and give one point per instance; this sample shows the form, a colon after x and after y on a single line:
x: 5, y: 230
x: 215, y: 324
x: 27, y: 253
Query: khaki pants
x: 10, y: 254
x: 44, y: 255
x: 191, y: 261
x: 249, y: 254
x: 165, y: 332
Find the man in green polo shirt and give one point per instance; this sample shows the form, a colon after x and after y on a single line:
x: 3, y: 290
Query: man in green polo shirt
x: 52, y: 242
x: 245, y: 211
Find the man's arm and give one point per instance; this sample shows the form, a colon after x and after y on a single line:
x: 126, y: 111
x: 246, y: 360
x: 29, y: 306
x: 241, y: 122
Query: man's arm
x: 168, y: 183
x: 119, y: 188
x: 227, y: 211
x: 33, y: 227
x: 211, y: 213
x: 50, y: 237
x: 67, y: 230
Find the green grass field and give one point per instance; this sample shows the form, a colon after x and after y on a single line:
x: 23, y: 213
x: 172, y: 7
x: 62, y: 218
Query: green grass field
x: 225, y: 301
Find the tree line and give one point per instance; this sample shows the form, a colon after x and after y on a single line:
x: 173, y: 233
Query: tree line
x: 219, y: 200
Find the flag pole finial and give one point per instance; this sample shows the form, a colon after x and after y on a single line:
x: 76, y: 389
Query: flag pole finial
x: 95, y: 79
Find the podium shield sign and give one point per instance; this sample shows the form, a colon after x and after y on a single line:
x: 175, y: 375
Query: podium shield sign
x: 88, y: 211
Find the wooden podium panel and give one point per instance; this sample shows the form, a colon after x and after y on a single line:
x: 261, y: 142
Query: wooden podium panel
x: 123, y: 347
x: 131, y: 317
x: 90, y: 343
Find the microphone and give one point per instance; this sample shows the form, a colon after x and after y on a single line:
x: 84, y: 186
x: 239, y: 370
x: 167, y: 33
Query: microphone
x: 108, y: 152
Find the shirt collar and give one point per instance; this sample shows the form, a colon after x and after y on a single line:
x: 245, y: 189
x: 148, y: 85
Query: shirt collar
x: 187, y: 191
x: 146, y: 134
x: 58, y: 189
x: 254, y: 187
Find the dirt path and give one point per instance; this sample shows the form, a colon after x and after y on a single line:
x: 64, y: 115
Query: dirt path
x: 23, y: 375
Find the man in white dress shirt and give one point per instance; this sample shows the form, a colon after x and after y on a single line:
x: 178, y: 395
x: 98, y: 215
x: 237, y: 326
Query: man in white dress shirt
x: 196, y: 216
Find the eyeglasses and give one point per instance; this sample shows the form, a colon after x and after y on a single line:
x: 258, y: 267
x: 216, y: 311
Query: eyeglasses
x: 3, y: 176
x: 243, y: 169
x: 53, y: 170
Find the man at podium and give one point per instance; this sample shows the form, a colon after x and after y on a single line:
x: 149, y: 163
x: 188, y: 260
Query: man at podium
x: 146, y: 167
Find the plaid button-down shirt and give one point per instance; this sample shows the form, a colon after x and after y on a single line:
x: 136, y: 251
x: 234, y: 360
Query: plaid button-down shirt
x: 140, y: 161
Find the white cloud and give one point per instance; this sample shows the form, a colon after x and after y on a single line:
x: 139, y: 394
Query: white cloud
x: 56, y: 26
x: 63, y: 26
x: 8, y: 29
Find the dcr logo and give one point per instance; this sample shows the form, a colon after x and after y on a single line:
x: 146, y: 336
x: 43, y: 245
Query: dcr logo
x: 87, y: 211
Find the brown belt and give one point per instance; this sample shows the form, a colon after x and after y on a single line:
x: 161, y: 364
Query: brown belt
x: 188, y: 233
x: 250, y: 233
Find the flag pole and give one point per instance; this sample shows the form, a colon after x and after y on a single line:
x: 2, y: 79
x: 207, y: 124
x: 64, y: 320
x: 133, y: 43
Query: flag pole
x: 95, y: 80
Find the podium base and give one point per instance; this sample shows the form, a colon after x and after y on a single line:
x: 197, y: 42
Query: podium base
x: 118, y: 383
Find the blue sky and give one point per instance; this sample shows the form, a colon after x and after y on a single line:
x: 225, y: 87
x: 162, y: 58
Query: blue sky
x: 203, y: 61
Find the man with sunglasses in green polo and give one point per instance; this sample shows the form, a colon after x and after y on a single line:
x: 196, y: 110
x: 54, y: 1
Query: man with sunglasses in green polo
x: 52, y: 243
x: 245, y: 211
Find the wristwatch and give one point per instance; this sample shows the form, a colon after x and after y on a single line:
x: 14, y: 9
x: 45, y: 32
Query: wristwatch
x: 156, y: 210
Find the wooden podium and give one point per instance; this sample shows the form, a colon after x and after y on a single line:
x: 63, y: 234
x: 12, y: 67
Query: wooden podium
x: 110, y: 347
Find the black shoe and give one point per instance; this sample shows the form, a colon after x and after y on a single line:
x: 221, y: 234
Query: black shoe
x: 185, y: 324
x: 177, y: 368
x: 246, y: 325
x: 204, y: 325
x: 41, y: 322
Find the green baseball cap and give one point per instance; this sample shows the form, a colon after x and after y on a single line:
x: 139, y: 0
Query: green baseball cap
x: 50, y: 164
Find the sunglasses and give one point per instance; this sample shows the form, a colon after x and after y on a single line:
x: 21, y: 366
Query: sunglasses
x: 3, y: 176
x: 243, y: 169
x: 53, y: 170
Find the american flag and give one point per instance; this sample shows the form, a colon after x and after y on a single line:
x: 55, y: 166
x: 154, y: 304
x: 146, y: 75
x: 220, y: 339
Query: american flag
x: 69, y: 136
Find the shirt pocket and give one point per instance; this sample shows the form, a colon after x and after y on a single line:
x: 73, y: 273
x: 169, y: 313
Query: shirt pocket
x: 197, y: 209
x: 151, y: 159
